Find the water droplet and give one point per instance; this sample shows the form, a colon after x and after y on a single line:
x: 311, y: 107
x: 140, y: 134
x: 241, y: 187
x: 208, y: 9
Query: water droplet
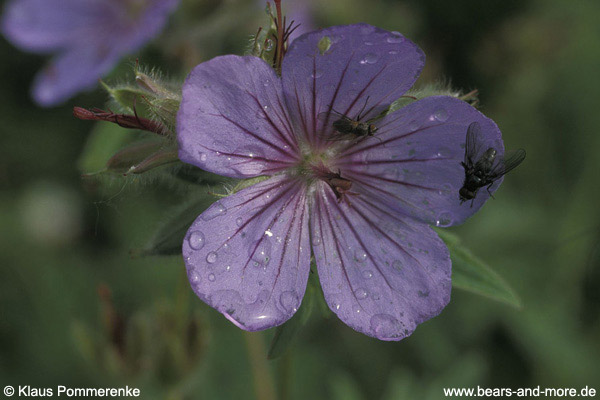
x: 269, y: 45
x: 368, y: 43
x: 262, y: 255
x: 266, y: 83
x: 211, y: 257
x: 392, y: 52
x: 239, y: 221
x: 385, y: 326
x: 361, y: 294
x: 395, y: 37
x: 441, y: 115
x: 375, y: 296
x: 217, y: 209
x: 413, y: 126
x: 444, y: 219
x: 316, y: 240
x: 211, y: 277
x: 196, y: 240
x: 289, y: 300
x: 360, y: 255
x: 369, y: 58
x: 194, y: 277
x: 260, y: 114
x: 317, y: 74
x: 202, y: 157
x: 367, y: 274
x: 397, y: 265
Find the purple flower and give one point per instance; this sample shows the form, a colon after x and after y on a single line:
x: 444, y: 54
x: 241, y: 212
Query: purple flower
x: 88, y: 37
x: 362, y: 206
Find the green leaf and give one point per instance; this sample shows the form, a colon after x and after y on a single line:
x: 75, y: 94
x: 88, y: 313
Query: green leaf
x: 473, y: 275
x: 286, y: 333
x: 169, y: 236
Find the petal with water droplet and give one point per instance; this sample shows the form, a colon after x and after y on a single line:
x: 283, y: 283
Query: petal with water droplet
x: 253, y: 279
x: 397, y: 285
x: 359, y: 65
x: 240, y: 125
x: 423, y: 142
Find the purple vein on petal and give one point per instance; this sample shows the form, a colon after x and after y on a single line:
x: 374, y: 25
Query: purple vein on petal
x: 277, y: 215
x: 361, y: 92
x: 381, y: 142
x: 284, y: 138
x: 383, y: 233
x: 300, y: 200
x: 255, y: 136
x: 375, y: 162
x: 301, y: 114
x: 335, y: 241
x: 327, y: 127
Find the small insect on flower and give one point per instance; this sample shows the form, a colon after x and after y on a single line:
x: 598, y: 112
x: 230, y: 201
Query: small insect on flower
x: 339, y: 185
x: 347, y: 128
x: 486, y: 169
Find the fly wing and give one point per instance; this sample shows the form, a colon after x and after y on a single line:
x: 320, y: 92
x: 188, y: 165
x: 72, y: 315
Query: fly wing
x: 510, y: 161
x: 472, y: 143
x: 330, y: 116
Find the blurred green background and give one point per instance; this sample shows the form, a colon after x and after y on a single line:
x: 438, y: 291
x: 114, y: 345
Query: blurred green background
x: 77, y: 309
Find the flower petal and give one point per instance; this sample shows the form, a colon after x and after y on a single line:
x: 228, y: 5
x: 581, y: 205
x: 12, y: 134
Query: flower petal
x: 232, y: 120
x: 45, y: 25
x: 380, y: 274
x: 248, y: 255
x: 76, y: 70
x: 413, y: 162
x: 364, y: 67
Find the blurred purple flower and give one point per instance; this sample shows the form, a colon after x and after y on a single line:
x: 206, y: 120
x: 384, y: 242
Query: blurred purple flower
x: 88, y: 37
x: 362, y: 206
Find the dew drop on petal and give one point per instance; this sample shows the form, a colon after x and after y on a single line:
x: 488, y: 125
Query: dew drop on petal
x: 317, y: 74
x: 289, y: 300
x: 196, y: 240
x: 385, y: 326
x: 261, y: 252
x: 316, y: 240
x: 202, y: 157
x: 361, y: 294
x: 395, y: 37
x: 413, y: 126
x: 375, y: 296
x: 367, y: 274
x: 239, y: 221
x: 360, y: 255
x: 444, y: 219
x: 211, y: 257
x: 441, y: 115
x: 216, y: 210
x: 369, y: 58
x: 211, y: 277
x: 194, y: 277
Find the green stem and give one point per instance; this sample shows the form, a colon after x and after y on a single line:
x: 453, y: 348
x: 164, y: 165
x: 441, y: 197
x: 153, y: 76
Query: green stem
x: 264, y: 387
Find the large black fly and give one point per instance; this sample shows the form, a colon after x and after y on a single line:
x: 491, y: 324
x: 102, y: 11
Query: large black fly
x: 486, y: 169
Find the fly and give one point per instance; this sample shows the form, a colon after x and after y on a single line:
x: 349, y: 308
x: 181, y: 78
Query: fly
x: 349, y: 128
x: 486, y: 169
x: 340, y: 186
